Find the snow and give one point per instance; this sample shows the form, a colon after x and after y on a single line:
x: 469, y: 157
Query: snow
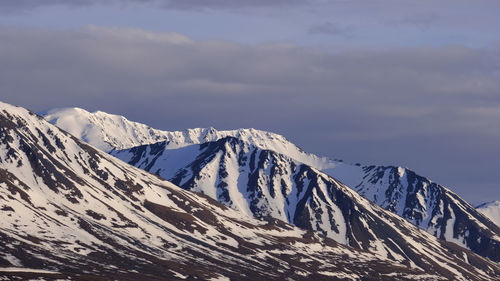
x: 341, y: 275
x: 107, y: 132
x: 12, y: 259
x: 491, y: 210
x: 236, y: 186
x: 23, y: 269
x: 179, y: 275
x: 337, y: 217
x: 220, y: 278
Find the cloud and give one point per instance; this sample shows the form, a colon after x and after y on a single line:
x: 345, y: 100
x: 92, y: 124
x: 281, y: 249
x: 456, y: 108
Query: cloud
x: 422, y: 21
x: 329, y: 28
x: 396, y: 106
x: 134, y: 35
x: 27, y: 5
x: 228, y: 4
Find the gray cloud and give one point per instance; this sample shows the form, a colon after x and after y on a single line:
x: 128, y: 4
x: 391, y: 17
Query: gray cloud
x: 329, y: 28
x: 197, y: 4
x: 433, y: 109
x: 27, y: 5
x: 422, y: 21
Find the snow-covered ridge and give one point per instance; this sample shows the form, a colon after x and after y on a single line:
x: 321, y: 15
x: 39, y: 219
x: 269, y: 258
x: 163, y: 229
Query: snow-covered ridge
x: 265, y: 183
x: 424, y: 203
x: 491, y: 210
x: 114, y: 132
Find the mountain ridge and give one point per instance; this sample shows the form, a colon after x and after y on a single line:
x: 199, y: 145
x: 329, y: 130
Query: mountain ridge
x: 71, y: 209
x: 491, y: 210
x: 380, y: 184
x: 428, y: 205
x: 263, y: 183
x: 114, y: 132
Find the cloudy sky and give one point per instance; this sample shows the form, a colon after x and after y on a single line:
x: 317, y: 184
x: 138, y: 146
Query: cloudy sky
x: 412, y: 83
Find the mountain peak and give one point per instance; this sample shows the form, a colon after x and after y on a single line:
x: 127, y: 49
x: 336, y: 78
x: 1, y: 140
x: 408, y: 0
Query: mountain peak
x: 113, y: 132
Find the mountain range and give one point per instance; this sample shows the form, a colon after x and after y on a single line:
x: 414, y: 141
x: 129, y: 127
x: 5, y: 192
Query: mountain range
x: 197, y: 160
x: 72, y: 211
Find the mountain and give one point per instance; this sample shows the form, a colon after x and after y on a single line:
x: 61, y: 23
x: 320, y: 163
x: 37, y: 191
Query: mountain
x: 106, y: 131
x: 422, y: 202
x: 70, y: 211
x: 113, y: 132
x: 491, y: 210
x: 264, y: 183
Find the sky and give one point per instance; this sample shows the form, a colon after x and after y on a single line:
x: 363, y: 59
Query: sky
x: 387, y: 82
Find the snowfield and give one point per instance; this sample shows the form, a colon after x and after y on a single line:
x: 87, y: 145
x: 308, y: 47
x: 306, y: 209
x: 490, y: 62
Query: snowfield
x: 491, y: 210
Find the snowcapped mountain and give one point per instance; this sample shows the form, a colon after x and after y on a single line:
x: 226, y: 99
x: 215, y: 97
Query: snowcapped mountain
x: 264, y: 183
x: 113, y: 132
x: 424, y: 203
x: 71, y: 211
x: 400, y: 190
x: 491, y: 210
